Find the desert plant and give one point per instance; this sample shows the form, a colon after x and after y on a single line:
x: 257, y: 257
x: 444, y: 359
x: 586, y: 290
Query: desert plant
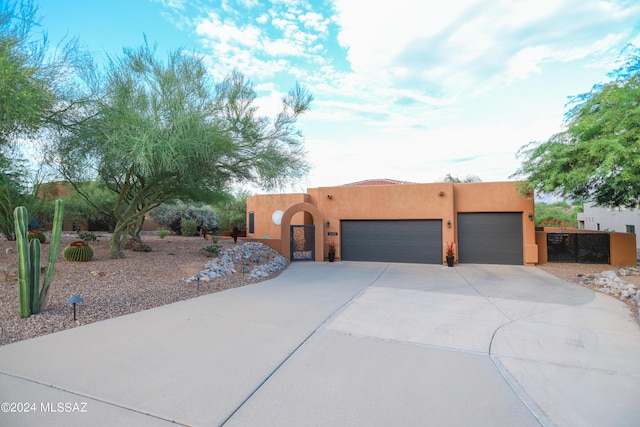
x: 162, y: 232
x: 450, y: 247
x: 33, y: 297
x: 36, y: 234
x: 214, y: 248
x: 142, y: 247
x: 87, y: 236
x: 188, y: 227
x: 171, y: 216
x: 79, y: 250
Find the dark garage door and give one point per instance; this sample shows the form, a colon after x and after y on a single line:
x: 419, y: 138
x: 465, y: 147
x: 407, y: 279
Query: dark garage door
x: 490, y: 238
x: 413, y: 241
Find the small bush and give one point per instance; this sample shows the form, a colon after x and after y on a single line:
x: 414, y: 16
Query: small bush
x: 142, y: 248
x: 188, y: 227
x: 214, y: 248
x: 87, y: 236
x: 162, y: 232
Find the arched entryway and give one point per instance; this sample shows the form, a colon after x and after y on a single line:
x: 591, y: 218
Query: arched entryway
x: 318, y: 222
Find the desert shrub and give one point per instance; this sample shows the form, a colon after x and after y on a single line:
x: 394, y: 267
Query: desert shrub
x: 171, y: 215
x: 214, y: 248
x: 162, y: 232
x: 143, y: 247
x: 188, y: 227
x: 87, y: 236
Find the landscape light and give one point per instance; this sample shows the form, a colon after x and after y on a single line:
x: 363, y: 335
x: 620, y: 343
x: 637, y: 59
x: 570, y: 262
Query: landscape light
x: 74, y: 300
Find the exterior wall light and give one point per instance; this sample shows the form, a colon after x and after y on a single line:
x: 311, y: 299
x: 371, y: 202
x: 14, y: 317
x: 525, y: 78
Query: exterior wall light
x: 328, y: 223
x: 329, y: 196
x: 449, y: 223
x: 441, y: 193
x: 530, y: 217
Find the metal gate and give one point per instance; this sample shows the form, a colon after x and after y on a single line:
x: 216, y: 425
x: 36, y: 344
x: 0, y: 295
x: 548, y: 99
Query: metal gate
x: 303, y: 242
x: 586, y: 248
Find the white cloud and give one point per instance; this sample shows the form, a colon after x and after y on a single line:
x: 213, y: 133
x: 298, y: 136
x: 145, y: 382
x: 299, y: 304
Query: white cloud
x: 468, y: 76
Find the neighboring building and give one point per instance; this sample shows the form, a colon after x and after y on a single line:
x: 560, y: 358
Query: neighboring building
x: 394, y: 221
x: 622, y: 220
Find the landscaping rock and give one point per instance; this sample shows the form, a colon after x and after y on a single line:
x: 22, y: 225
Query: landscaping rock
x: 253, y: 258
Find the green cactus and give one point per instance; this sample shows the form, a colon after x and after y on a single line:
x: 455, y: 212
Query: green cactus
x: 21, y: 219
x: 37, y: 234
x: 32, y: 297
x: 34, y: 274
x: 80, y: 250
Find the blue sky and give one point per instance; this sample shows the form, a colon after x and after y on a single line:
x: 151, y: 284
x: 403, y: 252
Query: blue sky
x: 403, y: 90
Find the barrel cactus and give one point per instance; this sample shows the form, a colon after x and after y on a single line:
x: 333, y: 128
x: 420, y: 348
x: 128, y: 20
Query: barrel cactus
x: 37, y: 234
x: 79, y: 250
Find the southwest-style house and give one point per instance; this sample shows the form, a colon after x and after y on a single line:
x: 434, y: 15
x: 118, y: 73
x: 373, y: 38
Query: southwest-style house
x: 394, y: 221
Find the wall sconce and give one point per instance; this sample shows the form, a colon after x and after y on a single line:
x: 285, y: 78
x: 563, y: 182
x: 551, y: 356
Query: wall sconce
x: 328, y: 223
x: 441, y: 193
x: 449, y: 223
x: 530, y: 216
x: 329, y: 196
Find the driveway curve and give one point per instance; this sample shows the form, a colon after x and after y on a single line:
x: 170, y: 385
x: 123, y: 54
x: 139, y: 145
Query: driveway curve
x: 344, y: 344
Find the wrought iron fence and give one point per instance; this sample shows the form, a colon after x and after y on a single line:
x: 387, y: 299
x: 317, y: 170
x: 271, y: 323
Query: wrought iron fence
x: 587, y: 248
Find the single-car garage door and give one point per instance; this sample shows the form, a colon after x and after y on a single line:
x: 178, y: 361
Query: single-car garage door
x: 490, y: 238
x: 412, y: 241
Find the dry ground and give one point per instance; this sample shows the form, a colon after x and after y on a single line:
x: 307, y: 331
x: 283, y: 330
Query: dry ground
x: 109, y: 287
x: 142, y: 280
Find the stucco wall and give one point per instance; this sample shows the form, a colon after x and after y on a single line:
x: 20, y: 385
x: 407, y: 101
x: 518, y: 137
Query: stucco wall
x: 404, y: 201
x: 398, y: 202
x: 264, y: 205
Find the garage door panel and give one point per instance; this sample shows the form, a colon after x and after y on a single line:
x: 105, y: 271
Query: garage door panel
x: 490, y: 238
x: 412, y: 241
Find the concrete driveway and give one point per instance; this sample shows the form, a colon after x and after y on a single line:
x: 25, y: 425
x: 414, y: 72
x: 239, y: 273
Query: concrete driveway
x: 343, y: 344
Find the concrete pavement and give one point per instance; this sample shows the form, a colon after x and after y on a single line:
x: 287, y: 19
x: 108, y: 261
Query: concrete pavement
x: 350, y: 344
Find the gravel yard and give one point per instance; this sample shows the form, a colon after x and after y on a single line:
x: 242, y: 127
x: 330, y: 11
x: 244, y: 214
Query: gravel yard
x: 114, y: 287
x: 143, y: 280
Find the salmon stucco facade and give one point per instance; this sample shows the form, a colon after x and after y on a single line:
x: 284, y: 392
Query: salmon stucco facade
x: 392, y: 221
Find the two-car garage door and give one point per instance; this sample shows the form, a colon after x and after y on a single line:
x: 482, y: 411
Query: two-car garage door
x: 411, y: 241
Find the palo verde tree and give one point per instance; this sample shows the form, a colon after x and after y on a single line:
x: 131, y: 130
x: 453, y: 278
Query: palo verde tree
x: 597, y: 157
x: 161, y: 130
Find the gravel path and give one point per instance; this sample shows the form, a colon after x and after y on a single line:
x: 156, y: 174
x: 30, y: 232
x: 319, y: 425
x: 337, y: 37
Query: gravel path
x: 113, y: 287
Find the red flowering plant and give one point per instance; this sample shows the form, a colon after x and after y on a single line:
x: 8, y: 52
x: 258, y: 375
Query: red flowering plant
x: 450, y: 247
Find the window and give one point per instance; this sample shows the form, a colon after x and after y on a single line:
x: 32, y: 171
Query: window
x: 251, y: 222
x: 631, y: 228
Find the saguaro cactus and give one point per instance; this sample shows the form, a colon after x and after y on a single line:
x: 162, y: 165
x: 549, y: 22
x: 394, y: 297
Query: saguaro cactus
x: 33, y: 298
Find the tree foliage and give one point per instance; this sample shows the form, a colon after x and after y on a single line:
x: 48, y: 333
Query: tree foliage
x: 560, y: 212
x: 157, y: 131
x: 34, y: 86
x: 597, y: 157
x: 456, y: 180
x: 35, y: 99
x: 233, y: 210
x: 170, y: 215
